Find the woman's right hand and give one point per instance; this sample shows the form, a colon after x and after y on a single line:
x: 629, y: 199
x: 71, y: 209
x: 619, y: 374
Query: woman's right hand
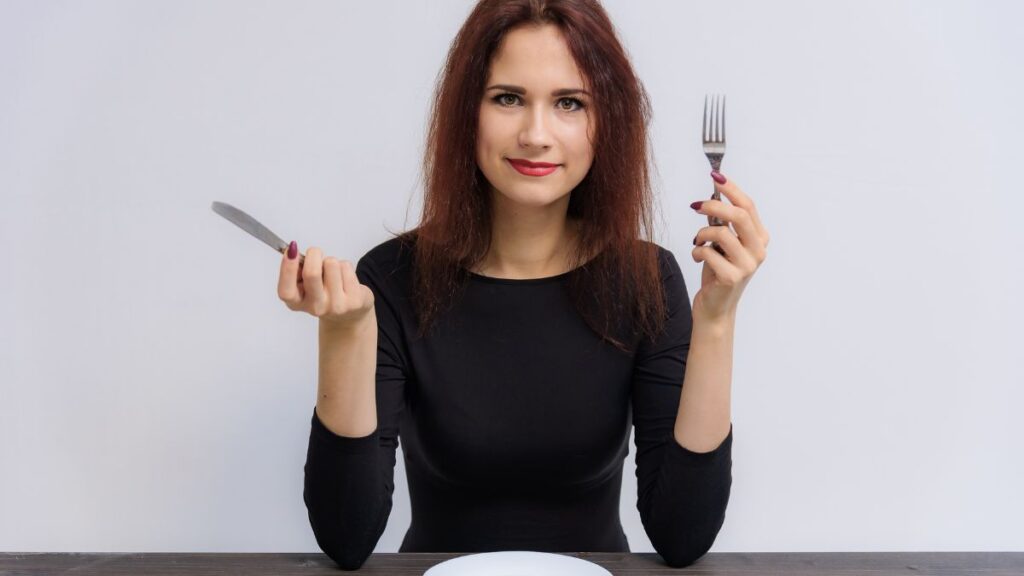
x: 324, y: 287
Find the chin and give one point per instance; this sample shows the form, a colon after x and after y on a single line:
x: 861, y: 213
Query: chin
x: 535, y: 197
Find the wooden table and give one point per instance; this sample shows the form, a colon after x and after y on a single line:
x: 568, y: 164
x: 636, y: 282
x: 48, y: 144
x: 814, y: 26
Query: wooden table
x: 752, y: 564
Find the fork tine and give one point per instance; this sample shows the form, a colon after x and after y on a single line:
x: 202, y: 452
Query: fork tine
x: 723, y: 118
x: 714, y: 118
x: 704, y: 130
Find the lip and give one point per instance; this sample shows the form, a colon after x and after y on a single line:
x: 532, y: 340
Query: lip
x: 532, y: 168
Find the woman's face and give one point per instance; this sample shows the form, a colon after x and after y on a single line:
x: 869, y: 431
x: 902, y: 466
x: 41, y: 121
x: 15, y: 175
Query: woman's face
x: 535, y: 108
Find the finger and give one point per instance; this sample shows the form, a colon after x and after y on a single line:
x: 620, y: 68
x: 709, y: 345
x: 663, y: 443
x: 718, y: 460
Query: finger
x: 287, y: 281
x: 741, y: 199
x: 312, y: 278
x: 726, y: 239
x: 348, y: 275
x: 333, y: 283
x: 739, y: 217
x: 724, y: 270
x: 354, y: 289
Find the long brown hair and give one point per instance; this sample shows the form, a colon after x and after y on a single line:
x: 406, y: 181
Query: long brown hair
x: 611, y: 202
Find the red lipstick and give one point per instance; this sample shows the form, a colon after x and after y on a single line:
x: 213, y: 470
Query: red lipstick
x: 532, y: 168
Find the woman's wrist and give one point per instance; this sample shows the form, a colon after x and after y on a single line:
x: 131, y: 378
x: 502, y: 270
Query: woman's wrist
x: 717, y: 324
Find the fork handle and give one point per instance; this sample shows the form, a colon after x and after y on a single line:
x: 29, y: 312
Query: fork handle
x: 715, y: 221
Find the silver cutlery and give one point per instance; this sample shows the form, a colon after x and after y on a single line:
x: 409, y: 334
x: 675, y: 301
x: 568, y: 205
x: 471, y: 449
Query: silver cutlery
x: 250, y: 225
x: 713, y: 139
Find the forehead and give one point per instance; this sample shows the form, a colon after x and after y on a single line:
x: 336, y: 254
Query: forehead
x: 536, y: 55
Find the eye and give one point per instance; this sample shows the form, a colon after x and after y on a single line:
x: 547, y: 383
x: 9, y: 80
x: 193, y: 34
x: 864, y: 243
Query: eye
x: 579, y: 104
x: 500, y: 98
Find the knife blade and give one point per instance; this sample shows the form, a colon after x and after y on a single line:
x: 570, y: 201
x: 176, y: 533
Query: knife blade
x: 252, y: 226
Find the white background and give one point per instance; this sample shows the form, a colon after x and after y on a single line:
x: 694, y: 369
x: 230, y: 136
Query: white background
x: 156, y: 395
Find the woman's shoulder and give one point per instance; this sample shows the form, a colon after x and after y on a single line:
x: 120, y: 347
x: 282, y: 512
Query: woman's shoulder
x: 391, y: 254
x: 385, y: 266
x: 666, y: 259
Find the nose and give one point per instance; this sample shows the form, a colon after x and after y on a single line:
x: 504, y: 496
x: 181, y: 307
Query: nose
x: 535, y: 132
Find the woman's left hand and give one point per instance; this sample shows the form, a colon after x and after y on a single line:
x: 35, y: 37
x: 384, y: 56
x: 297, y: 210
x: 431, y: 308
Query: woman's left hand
x: 723, y: 278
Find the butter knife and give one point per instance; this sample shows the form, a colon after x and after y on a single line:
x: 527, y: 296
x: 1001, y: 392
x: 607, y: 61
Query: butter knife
x: 250, y: 225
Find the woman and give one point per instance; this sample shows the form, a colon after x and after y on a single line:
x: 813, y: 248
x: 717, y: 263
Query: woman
x: 516, y: 335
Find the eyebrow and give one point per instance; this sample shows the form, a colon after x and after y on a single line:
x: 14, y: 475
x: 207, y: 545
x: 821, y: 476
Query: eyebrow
x: 521, y: 90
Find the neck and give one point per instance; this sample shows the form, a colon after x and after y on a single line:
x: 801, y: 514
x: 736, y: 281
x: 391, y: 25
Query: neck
x: 525, y: 246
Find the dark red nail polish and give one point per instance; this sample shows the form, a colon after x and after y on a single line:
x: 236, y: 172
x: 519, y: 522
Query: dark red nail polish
x: 694, y: 240
x: 696, y: 205
x: 293, y: 250
x: 718, y: 177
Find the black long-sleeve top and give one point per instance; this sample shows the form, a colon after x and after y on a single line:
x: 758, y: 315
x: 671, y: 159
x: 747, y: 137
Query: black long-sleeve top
x: 515, y: 421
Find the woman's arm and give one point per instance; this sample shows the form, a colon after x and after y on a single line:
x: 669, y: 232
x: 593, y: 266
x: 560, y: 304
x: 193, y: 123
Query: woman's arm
x: 703, y: 420
x: 350, y: 462
x: 704, y: 416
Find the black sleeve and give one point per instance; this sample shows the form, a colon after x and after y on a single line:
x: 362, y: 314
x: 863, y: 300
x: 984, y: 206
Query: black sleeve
x: 681, y: 495
x: 349, y: 482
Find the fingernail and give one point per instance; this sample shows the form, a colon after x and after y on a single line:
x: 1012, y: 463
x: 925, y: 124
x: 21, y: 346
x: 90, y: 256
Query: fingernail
x: 694, y: 240
x: 696, y: 205
x: 718, y: 176
x: 293, y: 250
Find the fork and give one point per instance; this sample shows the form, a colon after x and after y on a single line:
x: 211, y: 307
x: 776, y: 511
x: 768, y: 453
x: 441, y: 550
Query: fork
x: 713, y: 139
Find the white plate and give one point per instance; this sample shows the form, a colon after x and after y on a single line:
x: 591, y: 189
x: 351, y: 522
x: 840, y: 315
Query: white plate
x: 516, y: 563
